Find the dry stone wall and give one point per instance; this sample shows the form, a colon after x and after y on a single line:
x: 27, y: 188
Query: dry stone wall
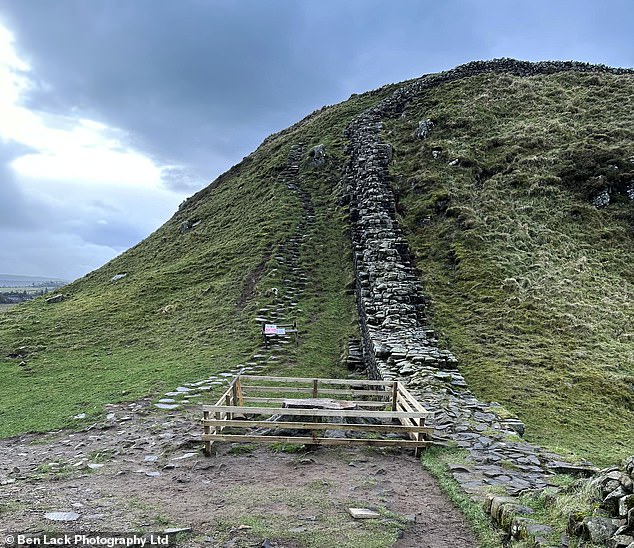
x: 390, y: 302
x: 397, y: 343
x: 615, y: 491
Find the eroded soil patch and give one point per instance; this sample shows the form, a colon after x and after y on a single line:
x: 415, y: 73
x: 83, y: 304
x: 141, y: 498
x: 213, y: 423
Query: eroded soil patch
x: 141, y: 470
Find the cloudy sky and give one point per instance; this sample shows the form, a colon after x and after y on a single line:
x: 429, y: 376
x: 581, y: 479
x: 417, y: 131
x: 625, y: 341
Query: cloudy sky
x: 114, y: 111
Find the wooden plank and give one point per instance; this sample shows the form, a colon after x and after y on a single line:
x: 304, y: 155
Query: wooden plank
x: 228, y: 403
x: 241, y: 393
x: 358, y: 403
x: 303, y: 440
x: 237, y: 394
x: 403, y: 405
x: 410, y: 398
x: 317, y: 403
x: 218, y: 416
x: 315, y: 412
x: 349, y: 382
x: 394, y: 395
x: 293, y: 389
x: 412, y: 402
x: 275, y: 425
x: 225, y: 394
x: 311, y: 390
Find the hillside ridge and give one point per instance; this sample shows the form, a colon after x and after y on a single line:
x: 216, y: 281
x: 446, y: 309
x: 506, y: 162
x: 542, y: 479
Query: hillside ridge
x: 409, y: 90
x: 459, y: 212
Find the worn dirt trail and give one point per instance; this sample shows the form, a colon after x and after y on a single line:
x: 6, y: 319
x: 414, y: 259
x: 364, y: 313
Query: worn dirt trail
x: 141, y: 470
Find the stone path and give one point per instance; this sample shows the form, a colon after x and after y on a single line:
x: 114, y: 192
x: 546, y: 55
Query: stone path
x: 289, y: 255
x: 283, y: 305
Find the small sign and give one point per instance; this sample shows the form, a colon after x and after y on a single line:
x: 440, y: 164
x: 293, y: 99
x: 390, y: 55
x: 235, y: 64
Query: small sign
x: 270, y: 329
x: 281, y: 331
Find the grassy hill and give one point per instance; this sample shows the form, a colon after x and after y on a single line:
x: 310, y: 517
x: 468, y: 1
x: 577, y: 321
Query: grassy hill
x: 530, y: 281
x: 185, y: 309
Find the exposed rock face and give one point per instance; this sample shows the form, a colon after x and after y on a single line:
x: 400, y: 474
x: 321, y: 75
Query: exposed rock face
x: 424, y: 129
x: 317, y: 156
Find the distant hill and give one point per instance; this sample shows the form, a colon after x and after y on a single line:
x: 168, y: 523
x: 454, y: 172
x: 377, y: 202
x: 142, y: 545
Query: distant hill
x: 514, y: 185
x: 13, y: 280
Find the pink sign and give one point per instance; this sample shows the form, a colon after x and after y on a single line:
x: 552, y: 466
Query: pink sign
x: 270, y: 329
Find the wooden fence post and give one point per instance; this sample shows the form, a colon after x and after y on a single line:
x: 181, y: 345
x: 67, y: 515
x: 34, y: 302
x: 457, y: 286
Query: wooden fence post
x: 238, y: 393
x: 229, y: 416
x: 207, y: 431
x: 394, y: 395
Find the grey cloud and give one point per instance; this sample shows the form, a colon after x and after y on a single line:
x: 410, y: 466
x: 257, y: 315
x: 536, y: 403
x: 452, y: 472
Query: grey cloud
x: 175, y: 72
x: 119, y: 235
x: 50, y: 254
x: 14, y: 210
x: 181, y: 179
x: 188, y: 77
x: 102, y: 222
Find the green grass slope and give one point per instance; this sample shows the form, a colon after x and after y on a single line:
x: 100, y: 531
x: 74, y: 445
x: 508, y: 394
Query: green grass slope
x: 187, y: 305
x: 531, y: 284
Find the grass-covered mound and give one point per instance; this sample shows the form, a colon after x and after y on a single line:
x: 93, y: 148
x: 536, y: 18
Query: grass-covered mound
x: 187, y: 305
x: 531, y: 282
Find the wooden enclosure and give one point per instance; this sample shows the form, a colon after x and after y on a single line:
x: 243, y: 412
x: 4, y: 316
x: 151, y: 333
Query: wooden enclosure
x: 309, y: 404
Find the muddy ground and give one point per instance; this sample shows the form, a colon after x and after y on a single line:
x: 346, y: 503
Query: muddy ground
x: 141, y: 470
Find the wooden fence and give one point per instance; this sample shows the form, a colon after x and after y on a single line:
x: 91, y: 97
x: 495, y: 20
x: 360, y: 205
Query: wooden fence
x: 249, y: 398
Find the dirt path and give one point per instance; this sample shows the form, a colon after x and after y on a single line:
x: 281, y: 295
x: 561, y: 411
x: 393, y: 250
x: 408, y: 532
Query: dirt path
x: 140, y: 470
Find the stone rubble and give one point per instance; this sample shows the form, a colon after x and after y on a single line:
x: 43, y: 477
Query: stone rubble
x: 353, y: 357
x: 614, y: 522
x: 424, y: 129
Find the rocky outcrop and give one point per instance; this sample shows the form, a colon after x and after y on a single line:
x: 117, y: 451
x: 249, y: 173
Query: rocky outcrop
x: 614, y: 519
x: 424, y: 129
x: 317, y: 156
